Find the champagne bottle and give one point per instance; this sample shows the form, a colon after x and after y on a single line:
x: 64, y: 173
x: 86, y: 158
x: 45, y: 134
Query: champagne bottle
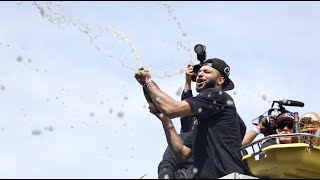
x: 149, y: 100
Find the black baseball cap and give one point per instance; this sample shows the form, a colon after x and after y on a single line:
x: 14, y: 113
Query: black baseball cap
x: 286, y: 116
x: 222, y: 67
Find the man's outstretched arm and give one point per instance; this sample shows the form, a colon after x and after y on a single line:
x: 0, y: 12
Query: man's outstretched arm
x: 164, y: 103
x: 175, y: 143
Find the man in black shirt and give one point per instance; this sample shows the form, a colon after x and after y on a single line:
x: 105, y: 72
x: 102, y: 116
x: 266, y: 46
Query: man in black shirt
x: 216, y: 141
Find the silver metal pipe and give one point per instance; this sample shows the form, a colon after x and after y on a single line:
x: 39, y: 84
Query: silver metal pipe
x: 296, y: 127
x: 279, y: 135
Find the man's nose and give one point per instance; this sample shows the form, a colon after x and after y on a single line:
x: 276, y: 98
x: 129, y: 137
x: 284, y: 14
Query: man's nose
x: 200, y: 74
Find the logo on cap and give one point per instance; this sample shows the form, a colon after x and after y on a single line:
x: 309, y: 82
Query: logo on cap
x: 288, y: 115
x: 227, y: 70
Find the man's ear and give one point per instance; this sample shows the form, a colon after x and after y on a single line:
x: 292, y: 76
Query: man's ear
x: 221, y: 80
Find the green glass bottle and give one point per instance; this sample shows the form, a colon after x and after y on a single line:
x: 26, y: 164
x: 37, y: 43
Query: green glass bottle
x: 149, y: 99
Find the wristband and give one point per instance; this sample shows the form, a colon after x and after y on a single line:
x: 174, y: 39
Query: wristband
x: 172, y: 126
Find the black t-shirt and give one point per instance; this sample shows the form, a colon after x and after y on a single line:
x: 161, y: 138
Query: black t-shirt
x: 187, y: 122
x: 216, y: 141
x: 243, y: 127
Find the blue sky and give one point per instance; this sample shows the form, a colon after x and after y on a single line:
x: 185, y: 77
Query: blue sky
x: 71, y: 107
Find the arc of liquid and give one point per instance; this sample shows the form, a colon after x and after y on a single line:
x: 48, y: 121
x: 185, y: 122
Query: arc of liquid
x: 182, y: 32
x: 59, y: 18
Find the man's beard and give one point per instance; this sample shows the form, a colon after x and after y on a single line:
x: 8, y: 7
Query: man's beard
x: 210, y: 84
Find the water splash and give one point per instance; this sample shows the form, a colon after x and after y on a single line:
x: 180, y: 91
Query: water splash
x: 49, y: 128
x: 180, y: 43
x: 36, y: 132
x: 2, y: 87
x: 120, y: 114
x: 179, y: 91
x: 19, y: 58
x: 55, y: 14
x: 264, y: 97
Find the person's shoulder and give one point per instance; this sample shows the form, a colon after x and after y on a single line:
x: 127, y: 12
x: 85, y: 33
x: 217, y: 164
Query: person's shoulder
x: 215, y: 92
x: 212, y: 91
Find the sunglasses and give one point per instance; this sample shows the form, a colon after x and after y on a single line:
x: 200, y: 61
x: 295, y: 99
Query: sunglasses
x: 283, y: 125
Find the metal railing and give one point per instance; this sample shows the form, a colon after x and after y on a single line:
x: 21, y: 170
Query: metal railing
x: 257, y: 142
